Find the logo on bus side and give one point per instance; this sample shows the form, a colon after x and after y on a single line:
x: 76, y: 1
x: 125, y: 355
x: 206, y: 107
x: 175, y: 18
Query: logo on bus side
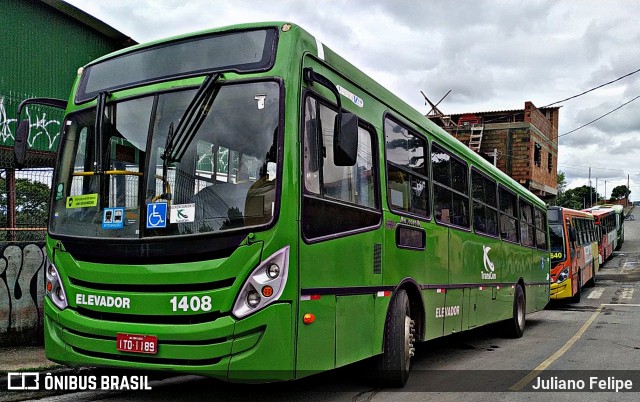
x: 489, y: 268
x: 442, y: 312
x: 349, y: 95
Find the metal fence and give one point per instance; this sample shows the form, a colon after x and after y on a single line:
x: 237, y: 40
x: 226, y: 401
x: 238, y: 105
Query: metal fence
x: 27, y: 220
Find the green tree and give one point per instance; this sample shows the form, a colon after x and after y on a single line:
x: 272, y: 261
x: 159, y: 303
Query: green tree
x: 579, y: 197
x: 32, y: 206
x: 562, y: 187
x: 620, y: 192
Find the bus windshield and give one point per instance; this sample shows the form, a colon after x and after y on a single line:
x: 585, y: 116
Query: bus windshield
x: 556, y: 233
x: 223, y: 178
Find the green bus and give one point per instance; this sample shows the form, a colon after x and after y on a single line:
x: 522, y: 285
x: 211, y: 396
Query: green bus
x: 244, y: 203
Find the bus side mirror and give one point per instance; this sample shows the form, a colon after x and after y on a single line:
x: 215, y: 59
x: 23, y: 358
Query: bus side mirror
x: 345, y: 127
x: 22, y: 132
x: 573, y: 236
x: 20, y: 144
x: 345, y: 139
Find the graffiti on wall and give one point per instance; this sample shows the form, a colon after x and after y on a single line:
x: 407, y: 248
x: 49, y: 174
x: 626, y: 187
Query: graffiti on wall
x: 21, y: 292
x: 43, y: 132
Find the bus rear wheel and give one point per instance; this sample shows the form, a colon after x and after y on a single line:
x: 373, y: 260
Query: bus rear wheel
x: 592, y: 282
x: 399, y: 338
x: 576, y: 298
x: 515, y: 326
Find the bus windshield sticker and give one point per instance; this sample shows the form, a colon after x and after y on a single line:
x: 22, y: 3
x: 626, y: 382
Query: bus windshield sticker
x: 82, y: 201
x: 113, y: 218
x: 183, y: 213
x: 59, y: 191
x: 260, y: 98
x: 156, y: 215
x: 353, y: 98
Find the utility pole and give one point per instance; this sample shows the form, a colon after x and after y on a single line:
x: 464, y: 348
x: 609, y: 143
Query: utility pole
x: 590, y: 189
x: 597, y: 200
x: 495, y: 156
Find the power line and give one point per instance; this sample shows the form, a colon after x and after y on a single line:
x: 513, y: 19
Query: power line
x: 593, y: 89
x: 594, y: 120
x: 626, y: 171
x: 574, y: 96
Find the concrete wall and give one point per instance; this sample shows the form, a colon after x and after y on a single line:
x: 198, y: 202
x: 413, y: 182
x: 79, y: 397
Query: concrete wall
x: 21, y: 293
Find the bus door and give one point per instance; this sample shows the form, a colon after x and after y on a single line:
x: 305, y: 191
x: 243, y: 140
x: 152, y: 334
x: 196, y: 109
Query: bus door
x: 574, y: 256
x: 600, y: 238
x: 340, y: 258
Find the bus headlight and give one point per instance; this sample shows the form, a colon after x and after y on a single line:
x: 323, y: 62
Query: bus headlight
x: 562, y: 276
x: 264, y: 286
x: 54, y: 289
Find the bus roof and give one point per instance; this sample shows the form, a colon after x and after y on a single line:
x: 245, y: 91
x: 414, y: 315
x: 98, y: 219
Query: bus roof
x: 564, y: 212
x: 617, y: 208
x: 370, y: 86
x: 599, y: 211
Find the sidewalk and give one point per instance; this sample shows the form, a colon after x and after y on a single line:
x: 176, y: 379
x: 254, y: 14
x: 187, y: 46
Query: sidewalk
x: 24, y: 358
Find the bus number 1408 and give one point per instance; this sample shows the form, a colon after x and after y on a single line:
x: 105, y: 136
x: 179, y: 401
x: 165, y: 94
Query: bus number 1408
x: 194, y: 304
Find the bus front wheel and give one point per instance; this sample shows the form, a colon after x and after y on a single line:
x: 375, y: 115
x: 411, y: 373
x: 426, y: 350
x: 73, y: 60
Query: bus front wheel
x: 399, y: 338
x: 515, y: 325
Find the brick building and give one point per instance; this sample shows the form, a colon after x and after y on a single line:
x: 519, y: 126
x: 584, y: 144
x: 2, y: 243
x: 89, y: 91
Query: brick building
x: 523, y: 143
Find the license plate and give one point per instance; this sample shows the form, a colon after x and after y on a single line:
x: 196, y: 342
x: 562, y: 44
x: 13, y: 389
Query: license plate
x: 137, y: 343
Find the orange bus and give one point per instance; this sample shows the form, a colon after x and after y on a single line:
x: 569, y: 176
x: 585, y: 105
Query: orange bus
x: 574, y: 247
x: 605, y: 219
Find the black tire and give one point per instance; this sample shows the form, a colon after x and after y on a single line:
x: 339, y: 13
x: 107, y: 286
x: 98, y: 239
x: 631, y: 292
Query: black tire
x: 394, y: 364
x: 592, y: 282
x: 576, y: 298
x: 514, y: 326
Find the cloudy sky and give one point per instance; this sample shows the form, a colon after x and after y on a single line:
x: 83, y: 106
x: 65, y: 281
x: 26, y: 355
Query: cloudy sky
x: 492, y: 55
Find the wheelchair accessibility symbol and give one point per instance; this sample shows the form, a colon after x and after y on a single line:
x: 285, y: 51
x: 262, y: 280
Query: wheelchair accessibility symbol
x: 157, y: 215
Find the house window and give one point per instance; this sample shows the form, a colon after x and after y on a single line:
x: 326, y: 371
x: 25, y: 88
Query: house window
x: 537, y: 158
x: 550, y: 162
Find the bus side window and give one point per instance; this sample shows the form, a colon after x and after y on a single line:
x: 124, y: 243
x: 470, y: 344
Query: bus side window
x: 541, y: 229
x: 508, y: 210
x: 332, y: 192
x: 527, y: 228
x: 450, y: 189
x: 407, y: 174
x: 485, y: 204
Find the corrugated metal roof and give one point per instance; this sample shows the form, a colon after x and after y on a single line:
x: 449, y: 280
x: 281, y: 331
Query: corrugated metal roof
x: 510, y: 111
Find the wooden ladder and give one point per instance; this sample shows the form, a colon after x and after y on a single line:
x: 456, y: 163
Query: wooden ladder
x: 475, y: 139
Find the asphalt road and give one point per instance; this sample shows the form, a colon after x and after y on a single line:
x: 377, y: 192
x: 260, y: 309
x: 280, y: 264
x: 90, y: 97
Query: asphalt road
x: 592, y: 346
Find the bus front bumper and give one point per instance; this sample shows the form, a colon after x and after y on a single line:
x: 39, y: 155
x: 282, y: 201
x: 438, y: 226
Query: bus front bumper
x: 257, y: 348
x: 561, y: 290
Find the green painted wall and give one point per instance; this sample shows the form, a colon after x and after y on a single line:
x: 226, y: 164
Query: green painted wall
x: 41, y: 49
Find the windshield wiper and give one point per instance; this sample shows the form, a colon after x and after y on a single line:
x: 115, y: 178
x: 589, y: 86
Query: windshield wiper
x: 188, y: 126
x: 191, y: 120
